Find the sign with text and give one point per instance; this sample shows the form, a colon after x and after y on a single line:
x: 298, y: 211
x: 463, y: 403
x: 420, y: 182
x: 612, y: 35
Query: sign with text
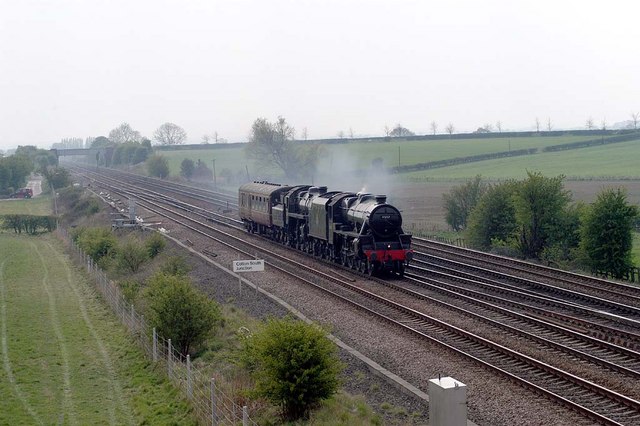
x: 256, y: 265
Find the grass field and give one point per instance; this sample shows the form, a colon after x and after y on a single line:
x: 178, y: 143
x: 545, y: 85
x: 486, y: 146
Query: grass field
x: 360, y: 154
x: 619, y: 160
x: 65, y: 359
x: 37, y: 206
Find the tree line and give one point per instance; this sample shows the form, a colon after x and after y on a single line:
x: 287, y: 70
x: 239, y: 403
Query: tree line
x: 535, y: 218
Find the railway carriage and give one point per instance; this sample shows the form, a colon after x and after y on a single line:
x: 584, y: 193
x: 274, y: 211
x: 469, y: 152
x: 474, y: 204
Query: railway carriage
x: 358, y: 230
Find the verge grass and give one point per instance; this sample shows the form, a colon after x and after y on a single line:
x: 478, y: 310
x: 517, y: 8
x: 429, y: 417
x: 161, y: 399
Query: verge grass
x: 65, y: 359
x: 37, y: 206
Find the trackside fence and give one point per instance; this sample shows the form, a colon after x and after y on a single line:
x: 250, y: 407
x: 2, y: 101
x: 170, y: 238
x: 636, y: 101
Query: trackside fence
x: 210, y: 403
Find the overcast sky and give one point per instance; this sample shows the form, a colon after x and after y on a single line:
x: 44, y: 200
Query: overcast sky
x: 80, y: 68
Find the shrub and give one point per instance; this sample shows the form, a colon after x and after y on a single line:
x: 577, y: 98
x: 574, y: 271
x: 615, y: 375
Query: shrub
x: 97, y: 242
x: 158, y: 166
x: 176, y: 265
x: 294, y: 364
x: 179, y: 312
x: 155, y: 244
x: 132, y: 255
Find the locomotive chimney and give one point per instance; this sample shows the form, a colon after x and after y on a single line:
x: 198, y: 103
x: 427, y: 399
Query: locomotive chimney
x: 322, y: 190
x: 381, y: 199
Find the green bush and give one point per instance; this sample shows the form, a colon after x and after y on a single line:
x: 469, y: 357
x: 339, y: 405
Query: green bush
x: 97, y: 242
x: 179, y: 312
x: 155, y: 244
x: 131, y: 255
x: 28, y: 223
x: 176, y: 265
x: 295, y: 365
x: 158, y: 166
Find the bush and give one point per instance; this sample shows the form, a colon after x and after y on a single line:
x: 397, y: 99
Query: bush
x: 132, y: 255
x: 176, y: 265
x: 158, y: 166
x: 179, y: 312
x: 155, y: 244
x: 294, y: 364
x: 97, y: 242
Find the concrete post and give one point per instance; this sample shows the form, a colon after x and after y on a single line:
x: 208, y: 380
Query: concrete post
x: 169, y: 358
x: 447, y: 402
x: 155, y: 345
x: 189, y: 382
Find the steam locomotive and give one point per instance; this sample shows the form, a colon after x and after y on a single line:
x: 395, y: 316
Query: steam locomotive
x: 358, y: 230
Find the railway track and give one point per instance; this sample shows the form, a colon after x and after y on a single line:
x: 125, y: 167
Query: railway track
x: 594, y: 401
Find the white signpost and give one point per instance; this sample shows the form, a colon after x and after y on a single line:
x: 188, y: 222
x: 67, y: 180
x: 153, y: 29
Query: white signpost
x: 256, y: 265
x: 252, y: 265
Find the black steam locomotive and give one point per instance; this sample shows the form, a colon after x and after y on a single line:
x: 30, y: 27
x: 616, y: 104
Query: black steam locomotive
x: 360, y: 231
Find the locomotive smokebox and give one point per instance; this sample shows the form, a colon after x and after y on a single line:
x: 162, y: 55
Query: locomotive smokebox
x: 381, y: 199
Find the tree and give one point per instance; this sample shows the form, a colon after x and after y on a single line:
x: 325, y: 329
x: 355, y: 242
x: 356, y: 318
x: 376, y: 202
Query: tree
x: 540, y: 204
x: 294, y: 365
x: 179, y: 312
x: 272, y: 145
x: 549, y: 124
x: 450, y: 129
x: 537, y: 125
x: 493, y: 220
x: 387, y: 130
x: 461, y: 200
x: 158, y: 166
x: 56, y: 177
x: 589, y: 123
x: 607, y: 237
x: 101, y: 142
x: 400, y: 131
x: 305, y: 133
x: 187, y: 168
x: 603, y: 124
x: 635, y: 116
x: 124, y: 133
x: 499, y: 126
x: 170, y: 134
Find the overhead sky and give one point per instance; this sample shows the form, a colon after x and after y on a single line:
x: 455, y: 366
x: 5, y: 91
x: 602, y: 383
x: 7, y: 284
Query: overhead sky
x: 79, y: 68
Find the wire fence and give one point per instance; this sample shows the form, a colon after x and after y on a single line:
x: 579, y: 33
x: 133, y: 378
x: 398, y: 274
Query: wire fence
x: 210, y: 402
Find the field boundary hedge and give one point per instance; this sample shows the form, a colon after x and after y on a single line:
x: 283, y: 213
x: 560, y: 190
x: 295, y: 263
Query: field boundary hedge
x: 30, y: 224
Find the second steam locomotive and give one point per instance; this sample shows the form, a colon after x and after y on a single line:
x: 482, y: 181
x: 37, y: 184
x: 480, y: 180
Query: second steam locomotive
x: 360, y: 231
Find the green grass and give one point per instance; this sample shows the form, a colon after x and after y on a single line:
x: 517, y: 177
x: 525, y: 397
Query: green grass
x: 618, y: 160
x: 65, y: 358
x: 360, y: 154
x: 37, y: 206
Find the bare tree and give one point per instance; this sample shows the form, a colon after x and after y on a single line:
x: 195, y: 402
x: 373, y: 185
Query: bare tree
x: 434, y: 127
x: 215, y: 136
x: 488, y: 127
x: 350, y: 133
x: 205, y: 139
x: 124, y: 133
x: 635, y: 116
x: 387, y: 130
x: 499, y: 126
x: 305, y: 133
x: 341, y: 134
x: 549, y: 124
x: 170, y: 134
x: 537, y: 125
x: 590, y: 124
x: 604, y: 124
x: 450, y: 129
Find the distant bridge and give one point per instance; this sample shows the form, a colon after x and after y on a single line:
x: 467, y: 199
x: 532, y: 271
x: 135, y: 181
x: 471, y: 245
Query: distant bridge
x: 103, y: 152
